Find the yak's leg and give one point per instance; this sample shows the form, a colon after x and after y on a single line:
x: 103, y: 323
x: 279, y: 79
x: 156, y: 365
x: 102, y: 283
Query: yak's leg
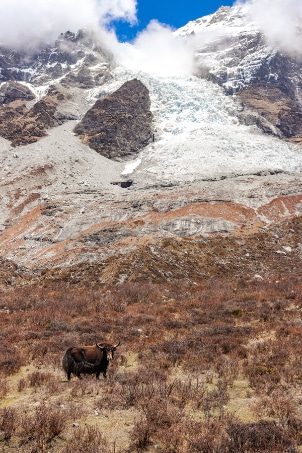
x: 78, y: 369
x: 68, y: 375
x: 97, y: 375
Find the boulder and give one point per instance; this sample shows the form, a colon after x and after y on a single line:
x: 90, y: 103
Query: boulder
x: 119, y: 125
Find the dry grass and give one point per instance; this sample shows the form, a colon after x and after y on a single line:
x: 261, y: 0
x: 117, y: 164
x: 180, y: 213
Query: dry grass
x: 204, y: 367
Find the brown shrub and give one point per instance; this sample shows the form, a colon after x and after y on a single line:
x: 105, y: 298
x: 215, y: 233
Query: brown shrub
x: 87, y: 439
x: 278, y: 405
x: 140, y: 385
x: 4, y: 387
x: 8, y: 422
x: 22, y: 383
x: 213, y: 400
x: 262, y: 436
x: 11, y: 360
x: 42, y: 427
x: 205, y: 437
x: 159, y: 424
x: 38, y: 378
x: 171, y: 439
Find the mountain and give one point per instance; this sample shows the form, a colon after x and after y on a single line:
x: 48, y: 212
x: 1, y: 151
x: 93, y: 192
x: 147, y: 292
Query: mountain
x: 266, y: 80
x: 110, y: 174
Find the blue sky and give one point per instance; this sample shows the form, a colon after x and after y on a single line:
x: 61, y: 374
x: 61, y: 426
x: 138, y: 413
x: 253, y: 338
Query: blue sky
x: 175, y: 13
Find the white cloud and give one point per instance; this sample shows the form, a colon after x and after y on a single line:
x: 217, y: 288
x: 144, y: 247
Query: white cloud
x: 118, y: 9
x: 158, y: 50
x: 28, y: 22
x: 280, y: 21
x: 25, y: 24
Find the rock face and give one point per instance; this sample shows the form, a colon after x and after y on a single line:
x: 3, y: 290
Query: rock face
x: 13, y: 91
x: 119, y: 125
x: 76, y: 59
x: 274, y: 98
x: 21, y: 125
x: 273, y: 110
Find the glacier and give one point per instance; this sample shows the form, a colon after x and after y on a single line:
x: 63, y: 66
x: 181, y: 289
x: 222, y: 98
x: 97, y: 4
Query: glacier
x: 197, y: 135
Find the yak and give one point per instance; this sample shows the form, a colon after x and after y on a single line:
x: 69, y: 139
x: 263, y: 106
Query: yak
x: 88, y: 359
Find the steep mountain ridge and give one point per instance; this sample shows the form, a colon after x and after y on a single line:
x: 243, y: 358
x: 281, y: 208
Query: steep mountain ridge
x: 75, y: 59
x: 200, y: 165
x: 233, y: 52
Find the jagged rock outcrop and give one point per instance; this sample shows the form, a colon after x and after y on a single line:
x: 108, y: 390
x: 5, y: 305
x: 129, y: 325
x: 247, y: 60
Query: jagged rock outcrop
x: 75, y: 59
x: 274, y: 98
x: 21, y: 125
x: 13, y: 91
x: 273, y: 110
x: 119, y: 125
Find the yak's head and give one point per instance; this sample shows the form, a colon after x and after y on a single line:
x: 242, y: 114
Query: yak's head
x: 107, y: 349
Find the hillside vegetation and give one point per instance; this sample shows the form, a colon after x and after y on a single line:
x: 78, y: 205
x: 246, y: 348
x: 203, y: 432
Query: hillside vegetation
x: 203, y: 366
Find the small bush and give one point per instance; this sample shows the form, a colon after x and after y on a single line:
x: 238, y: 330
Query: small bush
x: 4, y: 387
x: 43, y: 426
x: 262, y: 436
x: 22, y: 383
x: 87, y: 439
x: 8, y: 422
x: 140, y: 437
x: 206, y: 437
x: 38, y: 378
x: 278, y: 405
x: 213, y: 400
x: 157, y: 425
x: 10, y: 361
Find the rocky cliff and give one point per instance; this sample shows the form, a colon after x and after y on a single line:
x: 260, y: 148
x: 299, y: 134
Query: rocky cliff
x: 76, y: 59
x: 22, y: 124
x: 119, y: 125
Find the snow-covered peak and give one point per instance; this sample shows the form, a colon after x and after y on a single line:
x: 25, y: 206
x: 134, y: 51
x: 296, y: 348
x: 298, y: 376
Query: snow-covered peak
x: 73, y: 60
x: 234, y: 49
x: 229, y: 47
x: 227, y: 19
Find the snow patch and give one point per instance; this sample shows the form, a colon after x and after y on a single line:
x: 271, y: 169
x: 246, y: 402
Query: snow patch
x: 130, y: 167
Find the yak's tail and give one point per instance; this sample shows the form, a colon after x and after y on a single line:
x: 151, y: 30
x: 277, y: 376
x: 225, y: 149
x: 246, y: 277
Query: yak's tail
x: 67, y: 360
